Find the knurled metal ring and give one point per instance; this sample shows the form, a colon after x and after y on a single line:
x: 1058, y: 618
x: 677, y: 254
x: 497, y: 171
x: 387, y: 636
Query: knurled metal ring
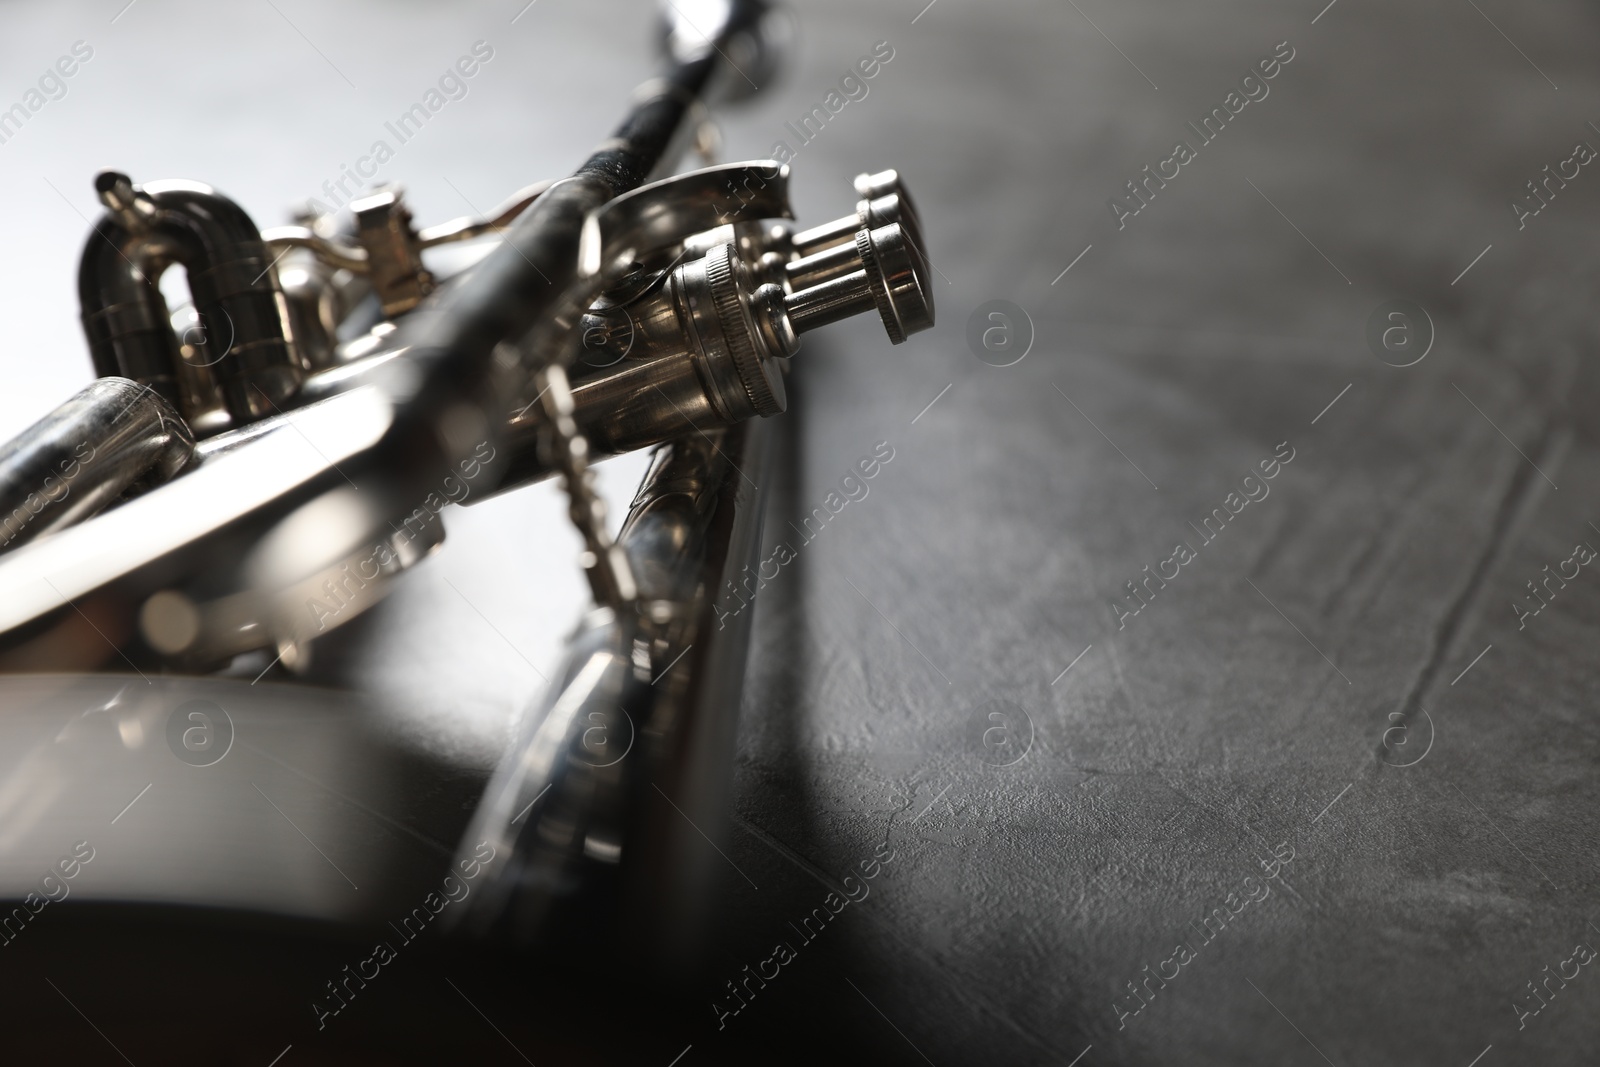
x: 880, y: 292
x: 736, y: 331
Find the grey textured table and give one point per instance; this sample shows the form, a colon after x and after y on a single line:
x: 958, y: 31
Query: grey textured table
x: 1282, y: 690
x: 1329, y: 724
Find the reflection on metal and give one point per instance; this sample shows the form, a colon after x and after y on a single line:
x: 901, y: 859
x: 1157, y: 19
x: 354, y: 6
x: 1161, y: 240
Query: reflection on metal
x: 185, y: 820
x: 393, y: 251
x: 145, y: 230
x: 196, y: 533
x: 663, y: 215
x: 114, y: 437
x: 468, y: 228
x: 338, y: 389
x: 707, y: 344
x: 575, y: 794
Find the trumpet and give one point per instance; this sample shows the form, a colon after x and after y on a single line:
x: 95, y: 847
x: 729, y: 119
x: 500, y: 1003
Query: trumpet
x: 255, y: 468
x: 605, y: 321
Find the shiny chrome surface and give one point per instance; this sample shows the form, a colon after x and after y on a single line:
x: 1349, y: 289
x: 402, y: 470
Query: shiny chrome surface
x: 319, y: 449
x: 343, y: 394
x: 555, y: 802
x: 349, y: 257
x: 393, y: 251
x: 147, y: 229
x: 468, y: 228
x: 203, y: 832
x: 664, y: 215
x: 114, y: 436
x: 882, y: 199
x: 256, y: 521
x: 620, y: 752
x: 354, y: 257
x: 702, y: 348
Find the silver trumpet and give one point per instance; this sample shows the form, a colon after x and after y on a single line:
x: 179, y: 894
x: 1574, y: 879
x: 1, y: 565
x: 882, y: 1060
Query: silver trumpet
x: 256, y: 468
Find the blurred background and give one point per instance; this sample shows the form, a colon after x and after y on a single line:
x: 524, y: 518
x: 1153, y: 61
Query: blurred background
x: 1336, y: 733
